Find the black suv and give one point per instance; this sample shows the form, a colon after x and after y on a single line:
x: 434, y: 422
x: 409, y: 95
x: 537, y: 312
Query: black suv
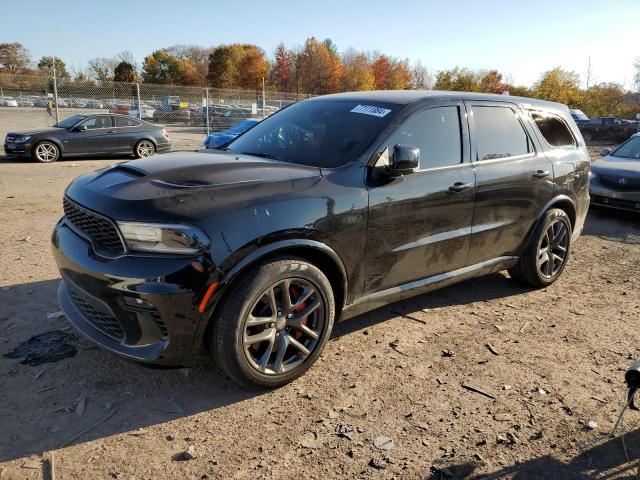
x: 327, y: 209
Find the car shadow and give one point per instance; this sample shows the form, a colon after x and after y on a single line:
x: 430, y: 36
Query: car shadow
x: 602, y: 460
x: 40, y: 401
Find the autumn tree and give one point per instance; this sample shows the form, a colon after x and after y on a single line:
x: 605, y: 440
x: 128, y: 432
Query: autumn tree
x: 604, y: 99
x: 45, y: 64
x: 197, y: 56
x: 253, y: 69
x: 558, y: 85
x: 125, y: 72
x: 224, y: 65
x: 492, y: 82
x: 319, y: 69
x: 357, y: 73
x: 161, y: 67
x: 283, y: 69
x: 14, y: 57
x: 420, y: 77
x: 380, y: 68
x: 398, y: 76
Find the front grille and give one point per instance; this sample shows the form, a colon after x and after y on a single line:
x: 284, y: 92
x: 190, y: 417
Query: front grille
x: 103, y: 321
x: 614, y: 182
x: 98, y: 228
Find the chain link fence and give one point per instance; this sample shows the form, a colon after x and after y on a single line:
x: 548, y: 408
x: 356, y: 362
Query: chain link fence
x: 206, y: 109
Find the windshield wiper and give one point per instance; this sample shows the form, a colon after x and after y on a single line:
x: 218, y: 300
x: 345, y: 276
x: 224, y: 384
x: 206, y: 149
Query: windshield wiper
x: 259, y: 155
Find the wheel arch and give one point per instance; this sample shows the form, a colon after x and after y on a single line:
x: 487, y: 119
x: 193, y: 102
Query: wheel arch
x: 562, y: 202
x: 56, y: 141
x: 320, y: 254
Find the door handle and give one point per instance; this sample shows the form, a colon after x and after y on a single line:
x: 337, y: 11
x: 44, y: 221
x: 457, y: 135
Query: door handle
x: 459, y: 187
x: 542, y: 174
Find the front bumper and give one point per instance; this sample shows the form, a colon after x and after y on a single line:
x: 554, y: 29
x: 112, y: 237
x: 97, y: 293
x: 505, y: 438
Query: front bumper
x: 17, y: 149
x: 605, y: 196
x: 142, y: 308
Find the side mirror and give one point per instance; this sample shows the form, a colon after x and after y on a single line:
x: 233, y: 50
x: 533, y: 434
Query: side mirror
x: 406, y: 159
x: 605, y: 151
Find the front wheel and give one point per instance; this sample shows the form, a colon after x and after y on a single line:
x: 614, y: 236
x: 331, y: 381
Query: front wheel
x: 144, y: 148
x: 547, y: 252
x: 46, y: 152
x: 274, y: 324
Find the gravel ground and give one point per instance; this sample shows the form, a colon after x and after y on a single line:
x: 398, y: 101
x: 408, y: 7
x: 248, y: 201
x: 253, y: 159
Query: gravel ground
x: 382, y: 402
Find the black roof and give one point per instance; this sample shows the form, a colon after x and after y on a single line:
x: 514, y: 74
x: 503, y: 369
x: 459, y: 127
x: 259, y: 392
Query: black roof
x: 404, y: 97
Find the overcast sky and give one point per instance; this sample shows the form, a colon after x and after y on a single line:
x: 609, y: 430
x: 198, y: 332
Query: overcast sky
x: 521, y: 39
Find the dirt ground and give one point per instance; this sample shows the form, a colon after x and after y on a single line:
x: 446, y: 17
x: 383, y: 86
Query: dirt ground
x: 560, y: 356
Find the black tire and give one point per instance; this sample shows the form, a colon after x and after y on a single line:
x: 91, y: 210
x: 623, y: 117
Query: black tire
x: 45, y: 152
x: 552, y: 249
x: 228, y: 340
x: 144, y: 148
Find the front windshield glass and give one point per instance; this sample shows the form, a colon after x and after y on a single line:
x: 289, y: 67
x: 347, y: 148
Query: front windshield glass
x: 631, y: 149
x: 70, y: 122
x: 320, y: 133
x: 579, y: 115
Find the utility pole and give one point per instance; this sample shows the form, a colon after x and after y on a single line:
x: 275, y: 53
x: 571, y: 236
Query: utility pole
x: 55, y: 88
x: 588, y: 72
x: 263, y: 100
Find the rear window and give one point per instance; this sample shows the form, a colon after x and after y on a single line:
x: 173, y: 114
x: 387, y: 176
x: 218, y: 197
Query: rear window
x: 499, y: 133
x: 126, y: 122
x: 553, y: 129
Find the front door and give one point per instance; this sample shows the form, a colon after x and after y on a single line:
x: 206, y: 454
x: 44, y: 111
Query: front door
x: 420, y: 226
x: 99, y: 137
x: 514, y: 179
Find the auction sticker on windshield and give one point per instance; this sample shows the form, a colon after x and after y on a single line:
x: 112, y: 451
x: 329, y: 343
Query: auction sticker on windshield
x: 370, y: 110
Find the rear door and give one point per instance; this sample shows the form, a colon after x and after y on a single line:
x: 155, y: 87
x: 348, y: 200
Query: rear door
x: 420, y: 226
x: 99, y: 137
x: 514, y: 179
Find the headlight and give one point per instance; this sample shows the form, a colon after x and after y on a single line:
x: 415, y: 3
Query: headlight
x: 163, y: 238
x: 22, y: 138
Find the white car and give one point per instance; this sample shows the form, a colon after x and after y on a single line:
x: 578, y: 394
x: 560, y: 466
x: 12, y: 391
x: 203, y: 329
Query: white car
x: 8, y: 102
x: 147, y: 112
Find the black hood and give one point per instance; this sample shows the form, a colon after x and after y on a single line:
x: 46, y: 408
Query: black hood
x: 187, y: 185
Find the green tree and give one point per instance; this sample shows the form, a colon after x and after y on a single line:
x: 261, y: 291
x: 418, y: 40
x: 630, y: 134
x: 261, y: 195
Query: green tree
x: 161, y: 67
x: 224, y: 65
x: 604, y: 99
x: 125, y: 72
x: 45, y: 64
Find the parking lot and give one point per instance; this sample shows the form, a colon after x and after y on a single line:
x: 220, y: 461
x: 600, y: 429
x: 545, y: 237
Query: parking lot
x: 556, y: 361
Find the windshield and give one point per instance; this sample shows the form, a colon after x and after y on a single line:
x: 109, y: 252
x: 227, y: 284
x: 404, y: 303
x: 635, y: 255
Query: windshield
x: 579, y: 115
x: 70, y: 122
x: 631, y: 149
x: 241, y: 127
x: 320, y: 133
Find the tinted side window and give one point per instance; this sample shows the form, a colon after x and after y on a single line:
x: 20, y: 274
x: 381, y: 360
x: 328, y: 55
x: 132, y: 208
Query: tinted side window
x: 102, y: 121
x: 499, y: 133
x: 554, y: 130
x: 436, y: 132
x: 126, y: 122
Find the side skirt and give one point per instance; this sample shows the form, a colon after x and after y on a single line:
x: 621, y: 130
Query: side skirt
x: 384, y: 297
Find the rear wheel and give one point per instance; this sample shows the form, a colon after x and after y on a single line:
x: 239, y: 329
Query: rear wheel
x: 144, y: 148
x: 547, y: 252
x: 274, y: 324
x: 46, y: 152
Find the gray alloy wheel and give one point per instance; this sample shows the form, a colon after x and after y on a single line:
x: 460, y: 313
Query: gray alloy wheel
x: 553, y: 248
x: 273, y: 324
x: 587, y: 136
x: 546, y: 254
x: 144, y: 148
x: 46, y: 152
x: 283, y: 326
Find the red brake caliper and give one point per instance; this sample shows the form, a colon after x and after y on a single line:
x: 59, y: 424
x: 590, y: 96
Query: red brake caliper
x: 295, y: 293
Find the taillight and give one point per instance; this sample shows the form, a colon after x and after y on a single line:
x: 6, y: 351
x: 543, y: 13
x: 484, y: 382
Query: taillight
x: 165, y: 134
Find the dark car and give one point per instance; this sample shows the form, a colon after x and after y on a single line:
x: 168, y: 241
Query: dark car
x: 90, y: 134
x: 615, y: 178
x: 607, y: 128
x: 327, y: 209
x: 217, y: 139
